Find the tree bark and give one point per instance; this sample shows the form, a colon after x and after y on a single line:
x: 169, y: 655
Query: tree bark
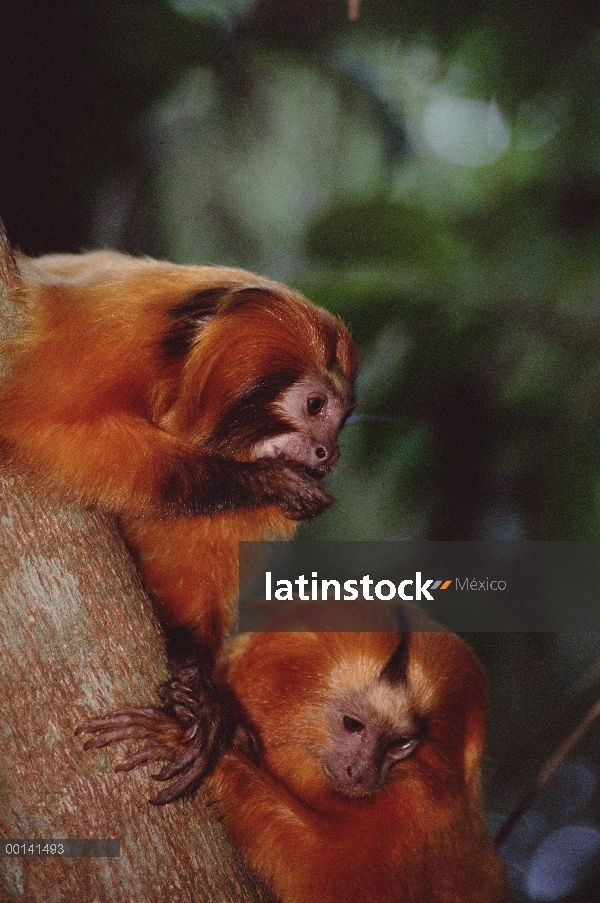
x: 78, y: 639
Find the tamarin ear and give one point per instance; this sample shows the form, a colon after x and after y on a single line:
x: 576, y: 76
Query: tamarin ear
x: 395, y: 669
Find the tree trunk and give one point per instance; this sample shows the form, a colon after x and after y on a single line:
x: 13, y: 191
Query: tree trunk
x: 78, y: 639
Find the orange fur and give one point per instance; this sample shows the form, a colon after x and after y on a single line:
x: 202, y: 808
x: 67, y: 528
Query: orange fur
x: 420, y: 838
x: 190, y: 565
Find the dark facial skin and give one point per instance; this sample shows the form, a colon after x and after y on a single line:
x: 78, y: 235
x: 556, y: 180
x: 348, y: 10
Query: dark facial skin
x: 372, y: 730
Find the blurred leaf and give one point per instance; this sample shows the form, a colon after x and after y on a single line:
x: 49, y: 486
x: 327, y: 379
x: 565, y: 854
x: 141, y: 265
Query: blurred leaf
x: 377, y: 231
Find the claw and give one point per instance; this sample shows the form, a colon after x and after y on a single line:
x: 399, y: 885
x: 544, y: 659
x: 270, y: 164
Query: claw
x: 183, y: 712
x: 180, y: 695
x: 147, y: 754
x: 183, y: 786
x: 174, y: 768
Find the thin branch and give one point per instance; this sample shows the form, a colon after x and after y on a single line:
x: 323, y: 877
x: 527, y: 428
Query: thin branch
x: 548, y: 770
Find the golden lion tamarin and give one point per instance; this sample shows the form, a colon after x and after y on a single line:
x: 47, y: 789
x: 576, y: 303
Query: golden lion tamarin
x: 202, y: 406
x: 365, y: 781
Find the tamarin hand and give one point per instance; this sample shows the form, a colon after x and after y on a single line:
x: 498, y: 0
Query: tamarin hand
x: 295, y: 489
x: 196, y: 489
x: 189, y: 731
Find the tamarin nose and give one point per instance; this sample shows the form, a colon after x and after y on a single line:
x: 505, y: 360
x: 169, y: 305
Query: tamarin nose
x: 327, y: 455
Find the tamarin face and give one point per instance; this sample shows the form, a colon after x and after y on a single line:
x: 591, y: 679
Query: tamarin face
x: 371, y: 729
x: 311, y: 414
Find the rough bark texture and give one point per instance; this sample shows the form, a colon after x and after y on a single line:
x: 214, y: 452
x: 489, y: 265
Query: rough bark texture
x: 78, y: 638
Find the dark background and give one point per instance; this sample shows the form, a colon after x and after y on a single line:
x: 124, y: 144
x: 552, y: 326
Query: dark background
x: 432, y: 173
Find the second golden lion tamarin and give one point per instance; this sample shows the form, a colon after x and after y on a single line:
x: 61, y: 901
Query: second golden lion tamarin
x: 364, y: 781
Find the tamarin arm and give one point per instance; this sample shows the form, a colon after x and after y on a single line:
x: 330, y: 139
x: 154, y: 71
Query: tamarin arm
x: 266, y: 822
x: 125, y: 464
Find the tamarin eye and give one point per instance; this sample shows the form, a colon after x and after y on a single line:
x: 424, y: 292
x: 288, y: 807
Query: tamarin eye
x: 401, y: 744
x: 315, y: 404
x: 353, y: 725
